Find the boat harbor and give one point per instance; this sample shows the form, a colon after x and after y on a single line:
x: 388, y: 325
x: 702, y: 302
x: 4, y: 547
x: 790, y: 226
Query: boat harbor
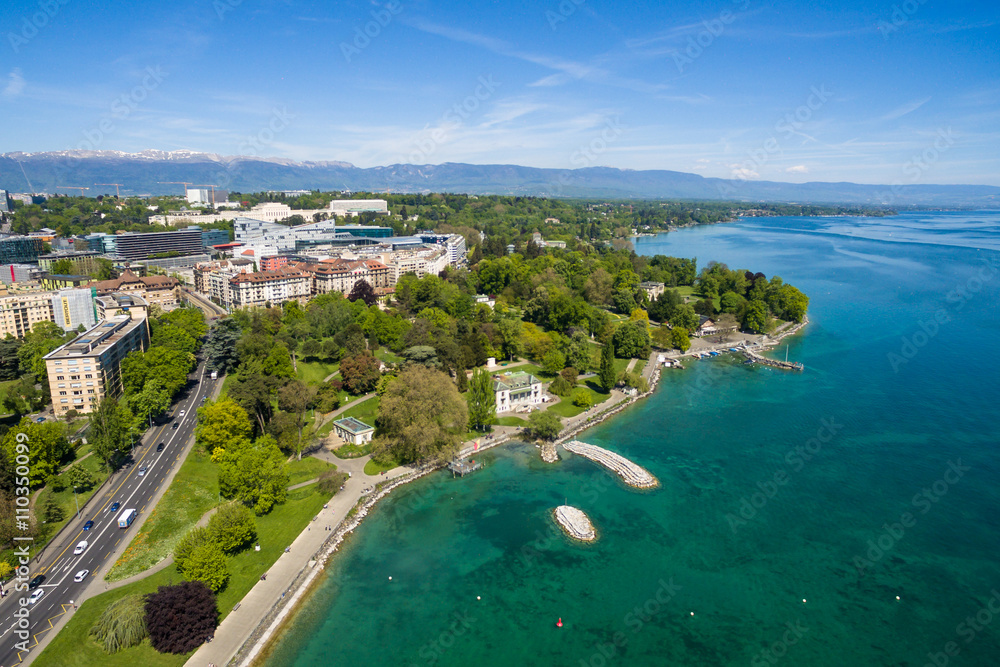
x: 630, y: 473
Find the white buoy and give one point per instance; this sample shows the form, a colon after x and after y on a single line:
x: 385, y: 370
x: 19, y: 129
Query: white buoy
x: 803, y: 599
x: 692, y: 613
x: 897, y: 597
x: 390, y: 578
x: 479, y: 598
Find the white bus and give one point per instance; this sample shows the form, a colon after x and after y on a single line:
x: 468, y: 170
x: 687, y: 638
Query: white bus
x: 125, y: 520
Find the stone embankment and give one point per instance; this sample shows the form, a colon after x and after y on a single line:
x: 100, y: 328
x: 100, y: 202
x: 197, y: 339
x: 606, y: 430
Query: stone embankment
x: 576, y: 524
x: 549, y: 454
x: 631, y: 474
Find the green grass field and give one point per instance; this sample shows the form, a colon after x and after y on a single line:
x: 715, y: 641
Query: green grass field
x: 73, y: 647
x: 306, y: 469
x: 565, y: 407
x: 314, y: 371
x: 510, y: 420
x: 364, y: 411
x: 194, y: 491
x: 373, y: 468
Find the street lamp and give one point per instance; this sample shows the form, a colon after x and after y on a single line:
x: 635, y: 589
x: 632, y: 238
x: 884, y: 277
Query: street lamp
x: 77, y: 502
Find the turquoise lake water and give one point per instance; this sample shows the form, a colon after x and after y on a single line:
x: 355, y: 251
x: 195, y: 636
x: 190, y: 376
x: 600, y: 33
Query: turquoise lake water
x: 873, y: 474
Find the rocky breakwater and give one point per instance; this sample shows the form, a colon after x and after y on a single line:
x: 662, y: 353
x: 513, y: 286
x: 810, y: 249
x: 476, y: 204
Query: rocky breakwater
x: 576, y: 524
x: 631, y: 474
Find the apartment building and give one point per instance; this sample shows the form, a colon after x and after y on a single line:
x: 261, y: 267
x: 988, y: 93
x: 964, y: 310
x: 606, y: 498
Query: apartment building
x: 341, y: 275
x: 160, y: 291
x: 115, y: 305
x: 88, y: 368
x: 270, y: 287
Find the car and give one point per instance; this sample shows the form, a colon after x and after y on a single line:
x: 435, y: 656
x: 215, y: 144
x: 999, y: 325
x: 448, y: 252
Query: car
x: 142, y: 470
x: 36, y: 582
x: 182, y: 413
x: 88, y: 525
x: 80, y: 547
x: 176, y: 424
x: 36, y: 596
x: 115, y: 506
x: 40, y: 420
x: 160, y: 447
x: 81, y: 575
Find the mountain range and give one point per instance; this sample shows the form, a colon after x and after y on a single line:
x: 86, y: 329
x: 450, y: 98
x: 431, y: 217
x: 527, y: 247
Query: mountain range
x: 160, y: 172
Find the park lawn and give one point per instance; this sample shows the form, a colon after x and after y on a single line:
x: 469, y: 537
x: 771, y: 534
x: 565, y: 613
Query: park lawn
x: 373, y: 468
x: 349, y: 451
x: 73, y: 647
x: 565, y: 407
x: 314, y: 372
x: 364, y: 411
x: 194, y: 491
x: 308, y: 468
x: 388, y: 356
x: 510, y: 420
x: 640, y: 366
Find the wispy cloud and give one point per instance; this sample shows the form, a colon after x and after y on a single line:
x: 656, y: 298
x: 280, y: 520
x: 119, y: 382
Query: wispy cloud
x: 798, y: 169
x: 15, y: 83
x: 904, y: 109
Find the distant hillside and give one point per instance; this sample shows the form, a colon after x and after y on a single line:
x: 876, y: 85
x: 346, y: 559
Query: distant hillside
x: 146, y: 172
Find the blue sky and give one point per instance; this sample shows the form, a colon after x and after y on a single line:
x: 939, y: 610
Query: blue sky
x: 874, y: 92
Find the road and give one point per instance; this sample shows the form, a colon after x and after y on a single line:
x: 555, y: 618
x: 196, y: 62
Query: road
x: 209, y: 307
x: 131, y: 490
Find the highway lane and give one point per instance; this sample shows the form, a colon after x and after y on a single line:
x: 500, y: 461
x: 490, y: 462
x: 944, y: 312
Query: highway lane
x: 132, y: 491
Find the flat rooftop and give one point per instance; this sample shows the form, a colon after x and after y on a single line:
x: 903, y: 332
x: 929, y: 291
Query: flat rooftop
x: 99, y: 339
x: 353, y: 425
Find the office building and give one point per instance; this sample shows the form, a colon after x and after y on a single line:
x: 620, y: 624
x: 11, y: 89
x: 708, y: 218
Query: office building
x: 206, y: 196
x: 20, y: 249
x: 83, y: 261
x: 57, y: 281
x: 88, y: 368
x: 134, y: 246
x: 6, y: 202
x: 20, y: 273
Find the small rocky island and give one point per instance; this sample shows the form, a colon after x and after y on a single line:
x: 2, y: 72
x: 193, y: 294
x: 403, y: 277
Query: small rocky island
x: 575, y: 523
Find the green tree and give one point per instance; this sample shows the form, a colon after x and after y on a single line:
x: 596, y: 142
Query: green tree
x: 255, y: 476
x: 553, y: 361
x: 9, y: 361
x: 111, y: 433
x: 46, y: 443
x: 482, y: 400
x: 121, y: 625
x: 560, y: 386
x: 732, y: 302
x: 51, y: 513
x: 232, y: 527
x: 221, y: 425
x: 220, y: 346
x: 421, y: 415
x: 23, y: 397
x: 192, y: 539
x: 582, y: 398
x: 756, y: 318
x: 684, y: 316
x: 511, y: 334
x: 42, y: 339
x: 607, y: 376
x: 679, y: 339
x: 544, y: 425
x: 254, y: 392
x: 631, y: 341
x: 295, y: 398
x: 208, y: 565
x: 79, y: 477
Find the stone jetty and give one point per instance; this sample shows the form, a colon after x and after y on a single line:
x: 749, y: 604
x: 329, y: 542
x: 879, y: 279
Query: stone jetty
x: 631, y: 474
x: 549, y: 454
x: 575, y: 523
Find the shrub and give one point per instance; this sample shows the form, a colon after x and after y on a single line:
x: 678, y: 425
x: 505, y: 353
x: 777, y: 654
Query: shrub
x: 581, y: 398
x: 560, y: 387
x: 194, y: 538
x: 179, y: 618
x: 207, y: 564
x: 570, y: 374
x: 331, y: 481
x: 232, y: 527
x: 122, y: 625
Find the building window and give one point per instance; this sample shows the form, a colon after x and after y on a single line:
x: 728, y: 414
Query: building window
x: 62, y: 393
x: 64, y: 400
x: 88, y: 376
x: 60, y: 377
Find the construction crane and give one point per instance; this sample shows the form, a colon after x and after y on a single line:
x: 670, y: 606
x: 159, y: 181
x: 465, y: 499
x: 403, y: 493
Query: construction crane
x: 209, y: 185
x: 184, y: 183
x: 117, y: 185
x: 71, y: 187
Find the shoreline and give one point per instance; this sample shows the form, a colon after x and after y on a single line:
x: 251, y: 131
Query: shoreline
x: 260, y: 641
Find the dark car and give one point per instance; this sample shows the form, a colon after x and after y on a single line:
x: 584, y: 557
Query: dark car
x: 40, y: 420
x: 115, y: 506
x: 36, y: 582
x: 88, y: 525
x: 160, y: 447
x: 176, y: 424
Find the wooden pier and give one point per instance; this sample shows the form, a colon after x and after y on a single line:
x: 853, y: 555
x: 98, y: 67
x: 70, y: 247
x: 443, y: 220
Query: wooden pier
x: 463, y: 468
x: 631, y: 474
x: 774, y: 363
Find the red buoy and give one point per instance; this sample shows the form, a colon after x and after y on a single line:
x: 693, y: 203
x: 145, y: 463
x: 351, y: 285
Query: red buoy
x: 559, y: 622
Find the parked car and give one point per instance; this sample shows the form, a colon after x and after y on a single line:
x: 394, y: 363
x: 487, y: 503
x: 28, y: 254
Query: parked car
x: 36, y: 596
x: 142, y: 470
x: 88, y: 525
x: 115, y: 506
x: 40, y: 420
x: 81, y: 575
x: 36, y: 582
x: 80, y: 547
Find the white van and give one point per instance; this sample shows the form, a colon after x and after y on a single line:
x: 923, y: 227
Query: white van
x: 80, y: 547
x: 125, y: 520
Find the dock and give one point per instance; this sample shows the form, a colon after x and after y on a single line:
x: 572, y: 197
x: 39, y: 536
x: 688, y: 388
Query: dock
x: 773, y: 363
x: 462, y: 468
x: 576, y: 524
x: 631, y: 474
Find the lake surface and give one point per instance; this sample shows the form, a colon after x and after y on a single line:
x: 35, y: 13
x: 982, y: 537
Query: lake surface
x: 846, y: 515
